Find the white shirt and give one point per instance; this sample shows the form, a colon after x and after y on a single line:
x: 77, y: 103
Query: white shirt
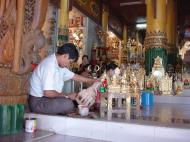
x: 48, y: 76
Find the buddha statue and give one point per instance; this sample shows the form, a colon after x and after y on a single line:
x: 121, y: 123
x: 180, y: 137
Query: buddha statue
x: 157, y: 62
x: 178, y: 86
x: 166, y: 85
x: 115, y: 84
x: 124, y: 83
x: 158, y: 69
x: 114, y: 87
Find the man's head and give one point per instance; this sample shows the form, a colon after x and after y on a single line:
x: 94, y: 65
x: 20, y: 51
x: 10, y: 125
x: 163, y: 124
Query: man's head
x: 122, y: 66
x: 103, y: 57
x: 66, y: 54
x: 85, y: 59
x: 110, y: 69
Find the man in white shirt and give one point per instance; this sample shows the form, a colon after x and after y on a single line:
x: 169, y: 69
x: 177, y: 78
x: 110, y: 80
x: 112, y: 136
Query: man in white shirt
x: 47, y: 81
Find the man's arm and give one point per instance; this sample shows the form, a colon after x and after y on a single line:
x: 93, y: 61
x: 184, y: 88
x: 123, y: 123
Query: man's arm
x: 54, y: 94
x: 81, y: 78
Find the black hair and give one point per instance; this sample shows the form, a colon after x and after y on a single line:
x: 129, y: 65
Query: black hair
x: 84, y: 56
x: 70, y: 49
x: 111, y: 66
x: 85, y: 67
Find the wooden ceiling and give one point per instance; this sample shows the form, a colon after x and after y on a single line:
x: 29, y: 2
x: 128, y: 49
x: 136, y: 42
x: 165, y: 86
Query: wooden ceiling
x: 129, y: 11
x: 183, y: 12
x: 136, y: 12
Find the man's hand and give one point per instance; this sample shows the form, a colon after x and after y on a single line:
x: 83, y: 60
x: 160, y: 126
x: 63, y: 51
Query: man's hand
x: 52, y: 94
x: 97, y: 80
x: 55, y: 94
x: 72, y: 96
x: 80, y: 78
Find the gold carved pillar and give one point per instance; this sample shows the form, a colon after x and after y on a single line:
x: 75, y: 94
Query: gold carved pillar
x: 155, y: 40
x: 171, y: 31
x: 105, y: 15
x: 63, y: 22
x: 171, y: 22
x: 124, y: 44
x: 159, y: 16
x: 149, y: 15
x: 125, y: 36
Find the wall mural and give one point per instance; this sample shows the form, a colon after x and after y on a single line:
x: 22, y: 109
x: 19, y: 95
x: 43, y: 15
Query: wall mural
x: 50, y: 30
x: 77, y: 28
x: 77, y: 33
x: 115, y: 25
x: 91, y: 8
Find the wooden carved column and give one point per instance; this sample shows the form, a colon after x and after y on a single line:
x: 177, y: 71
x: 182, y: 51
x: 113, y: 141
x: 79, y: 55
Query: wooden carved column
x: 20, y: 38
x: 155, y: 40
x: 18, y: 35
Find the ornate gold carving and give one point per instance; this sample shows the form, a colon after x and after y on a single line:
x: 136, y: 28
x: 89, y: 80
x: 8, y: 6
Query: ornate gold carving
x: 3, y: 28
x: 7, y: 21
x: 14, y: 87
x: 33, y: 39
x: 166, y: 85
x: 31, y: 44
x: 155, y: 40
x: 7, y: 48
x: 29, y: 15
x: 13, y: 99
x: 12, y: 84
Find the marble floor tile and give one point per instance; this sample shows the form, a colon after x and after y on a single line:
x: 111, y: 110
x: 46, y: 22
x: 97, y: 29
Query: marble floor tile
x: 65, y: 138
x: 25, y: 137
x: 161, y: 113
x: 44, y: 136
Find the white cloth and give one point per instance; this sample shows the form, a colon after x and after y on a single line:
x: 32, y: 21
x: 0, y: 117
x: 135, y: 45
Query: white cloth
x: 87, y: 96
x: 48, y: 76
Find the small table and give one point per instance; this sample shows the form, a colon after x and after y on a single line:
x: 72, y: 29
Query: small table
x: 119, y: 108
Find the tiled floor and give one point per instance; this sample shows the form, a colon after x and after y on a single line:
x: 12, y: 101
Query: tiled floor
x: 64, y: 138
x: 44, y: 136
x: 164, y: 114
x: 169, y: 115
x: 117, y: 130
x: 26, y: 137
